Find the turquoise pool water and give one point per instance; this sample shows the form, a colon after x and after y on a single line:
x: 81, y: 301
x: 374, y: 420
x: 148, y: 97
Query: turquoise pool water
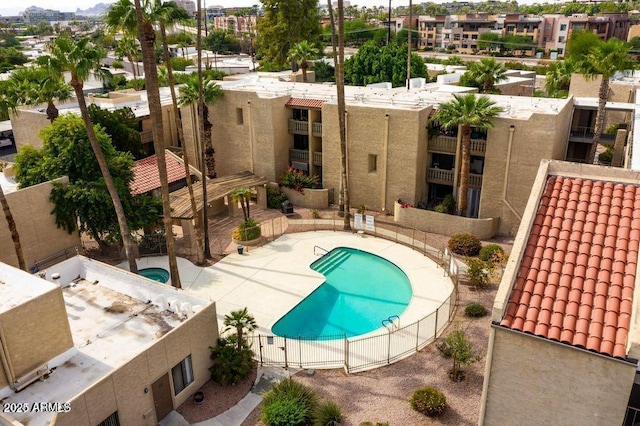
x: 361, y: 290
x: 156, y: 274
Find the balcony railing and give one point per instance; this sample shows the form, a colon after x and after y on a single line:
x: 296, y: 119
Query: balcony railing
x: 317, y: 129
x: 297, y: 127
x: 317, y: 159
x: 446, y: 177
x: 146, y: 136
x: 478, y: 146
x: 299, y: 155
x: 448, y: 144
x: 585, y: 134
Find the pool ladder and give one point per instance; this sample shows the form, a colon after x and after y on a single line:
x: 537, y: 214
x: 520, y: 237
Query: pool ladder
x: 318, y: 247
x: 389, y: 321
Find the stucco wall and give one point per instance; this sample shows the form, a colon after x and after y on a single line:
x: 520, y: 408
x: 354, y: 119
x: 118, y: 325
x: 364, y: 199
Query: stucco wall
x: 123, y: 390
x: 444, y: 224
x: 532, y: 381
x: 39, y: 235
x: 35, y: 332
x: 542, y: 136
x: 618, y: 92
x: 311, y: 198
x: 26, y: 127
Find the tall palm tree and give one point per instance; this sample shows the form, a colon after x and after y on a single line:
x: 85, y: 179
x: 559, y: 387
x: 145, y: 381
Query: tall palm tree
x: 240, y: 320
x: 39, y: 85
x: 603, y: 58
x: 8, y: 103
x: 302, y: 52
x: 341, y: 117
x: 558, y: 78
x: 488, y: 72
x: 129, y: 47
x: 147, y: 37
x: 211, y: 92
x: 463, y: 113
x: 79, y: 58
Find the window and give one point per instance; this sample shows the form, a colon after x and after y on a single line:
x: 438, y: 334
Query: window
x: 301, y: 142
x: 560, y: 51
x: 561, y: 39
x: 239, y: 117
x: 563, y: 27
x: 112, y: 420
x: 301, y: 114
x: 373, y: 163
x: 182, y: 375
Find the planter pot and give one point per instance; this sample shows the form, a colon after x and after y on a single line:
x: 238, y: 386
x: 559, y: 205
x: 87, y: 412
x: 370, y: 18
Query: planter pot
x: 240, y: 248
x: 248, y: 242
x: 198, y: 397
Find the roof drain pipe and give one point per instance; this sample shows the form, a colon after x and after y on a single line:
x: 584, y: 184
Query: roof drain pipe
x: 385, y: 158
x: 6, y: 363
x: 512, y: 129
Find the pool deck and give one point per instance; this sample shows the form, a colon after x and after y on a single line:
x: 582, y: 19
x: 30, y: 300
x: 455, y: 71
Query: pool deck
x: 272, y: 279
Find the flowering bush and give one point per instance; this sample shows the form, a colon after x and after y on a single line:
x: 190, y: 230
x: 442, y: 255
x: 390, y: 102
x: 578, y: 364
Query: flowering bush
x: 297, y: 180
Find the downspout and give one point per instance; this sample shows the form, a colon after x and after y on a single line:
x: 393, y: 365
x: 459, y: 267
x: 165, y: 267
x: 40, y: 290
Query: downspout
x: 512, y: 128
x: 487, y: 376
x: 6, y: 363
x: 456, y: 165
x: 251, y: 136
x: 384, y: 170
x: 346, y: 141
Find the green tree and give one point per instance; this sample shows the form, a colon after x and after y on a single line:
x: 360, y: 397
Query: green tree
x: 85, y: 204
x: 285, y: 23
x: 122, y: 127
x: 10, y: 58
x: 459, y: 348
x: 593, y: 57
x: 463, y: 113
x: 558, y: 78
x: 489, y: 41
x: 189, y: 96
x: 128, y: 47
x: 79, y: 58
x: 487, y: 73
x: 324, y: 71
x: 243, y: 195
x: 242, y: 321
x: 301, y: 53
x: 40, y: 85
x: 375, y: 64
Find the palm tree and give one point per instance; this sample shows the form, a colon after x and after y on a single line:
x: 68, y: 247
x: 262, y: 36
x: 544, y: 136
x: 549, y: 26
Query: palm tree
x: 129, y: 48
x: 242, y: 321
x: 243, y: 195
x: 7, y: 103
x: 79, y: 58
x: 189, y: 96
x: 465, y: 112
x: 341, y: 117
x: 147, y: 37
x: 603, y: 58
x: 487, y: 72
x: 40, y: 85
x: 301, y: 53
x: 558, y: 78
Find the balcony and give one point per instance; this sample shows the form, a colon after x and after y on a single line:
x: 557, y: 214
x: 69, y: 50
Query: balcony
x: 317, y: 159
x: 585, y: 134
x: 146, y: 136
x: 297, y: 127
x: 316, y: 129
x: 302, y: 156
x: 445, y: 177
x: 448, y: 144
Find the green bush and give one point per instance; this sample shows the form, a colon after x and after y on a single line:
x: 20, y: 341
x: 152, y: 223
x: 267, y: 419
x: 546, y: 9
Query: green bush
x: 230, y: 366
x: 606, y: 156
x: 429, y: 401
x: 488, y: 252
x: 297, y: 180
x: 275, y: 198
x: 479, y: 272
x: 465, y: 244
x: 475, y: 310
x: 247, y: 230
x: 180, y: 64
x: 117, y: 65
x: 327, y: 414
x: 288, y: 403
x: 448, y: 205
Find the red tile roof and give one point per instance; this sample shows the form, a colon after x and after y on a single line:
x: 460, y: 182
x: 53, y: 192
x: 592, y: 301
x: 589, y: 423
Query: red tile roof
x: 576, y: 279
x: 305, y: 103
x: 146, y: 177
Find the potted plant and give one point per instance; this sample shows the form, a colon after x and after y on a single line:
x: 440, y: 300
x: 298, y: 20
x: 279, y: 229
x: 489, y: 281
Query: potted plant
x: 248, y: 232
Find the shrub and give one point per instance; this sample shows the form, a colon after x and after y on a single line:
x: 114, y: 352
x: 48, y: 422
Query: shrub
x: 465, y: 244
x: 297, y: 180
x: 288, y: 403
x: 458, y: 347
x: 479, y: 272
x: 606, y: 156
x: 230, y: 366
x: 315, y: 214
x: 275, y: 198
x: 327, y: 414
x: 180, y: 64
x: 362, y: 208
x: 488, y: 252
x: 448, y: 205
x: 117, y: 65
x: 475, y: 310
x: 247, y: 230
x: 429, y: 401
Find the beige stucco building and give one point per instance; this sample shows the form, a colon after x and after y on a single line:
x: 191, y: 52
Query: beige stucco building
x: 100, y: 344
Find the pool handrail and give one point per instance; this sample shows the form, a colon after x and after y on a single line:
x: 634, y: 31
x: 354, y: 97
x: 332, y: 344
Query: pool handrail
x: 321, y: 248
x: 390, y: 321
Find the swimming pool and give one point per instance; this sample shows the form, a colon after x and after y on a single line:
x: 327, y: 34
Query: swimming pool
x: 157, y: 274
x: 361, y: 290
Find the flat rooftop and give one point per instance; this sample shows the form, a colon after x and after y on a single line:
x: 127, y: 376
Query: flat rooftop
x: 114, y: 315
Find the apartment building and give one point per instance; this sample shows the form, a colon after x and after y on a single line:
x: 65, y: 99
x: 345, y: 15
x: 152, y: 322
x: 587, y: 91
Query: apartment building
x: 463, y: 32
x: 238, y: 25
x: 564, y: 343
x: 102, y: 345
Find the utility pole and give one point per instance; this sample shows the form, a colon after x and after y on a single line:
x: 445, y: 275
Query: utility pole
x: 389, y: 29
x: 206, y: 31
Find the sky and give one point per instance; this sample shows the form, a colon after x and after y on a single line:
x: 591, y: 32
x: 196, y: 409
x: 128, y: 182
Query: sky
x: 72, y: 5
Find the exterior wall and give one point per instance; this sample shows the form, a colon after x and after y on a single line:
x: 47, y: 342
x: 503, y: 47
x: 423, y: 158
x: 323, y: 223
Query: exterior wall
x: 581, y: 87
x: 35, y: 332
x: 444, y: 224
x: 366, y: 135
x: 311, y: 198
x: 123, y: 390
x: 539, y: 137
x: 39, y: 235
x: 574, y: 387
x: 26, y: 127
